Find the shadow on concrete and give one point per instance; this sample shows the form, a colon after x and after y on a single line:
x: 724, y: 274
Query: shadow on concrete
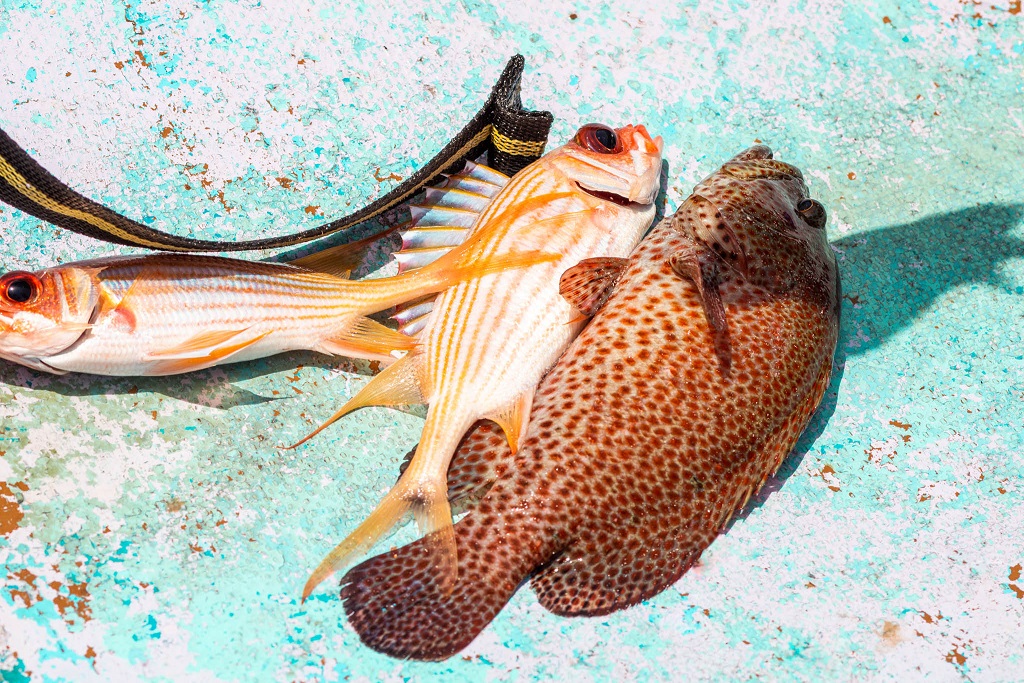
x: 890, y: 277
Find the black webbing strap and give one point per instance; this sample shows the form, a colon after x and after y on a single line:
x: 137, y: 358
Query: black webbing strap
x: 512, y: 137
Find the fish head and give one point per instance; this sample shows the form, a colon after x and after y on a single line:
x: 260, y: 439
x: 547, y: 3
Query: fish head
x: 758, y: 217
x: 44, y: 313
x: 622, y: 165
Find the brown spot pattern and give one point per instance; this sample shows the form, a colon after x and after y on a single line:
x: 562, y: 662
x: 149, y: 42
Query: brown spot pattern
x: 640, y: 448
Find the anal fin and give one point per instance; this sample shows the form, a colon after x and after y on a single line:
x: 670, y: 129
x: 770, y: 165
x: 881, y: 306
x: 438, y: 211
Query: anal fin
x: 368, y: 339
x: 397, y: 384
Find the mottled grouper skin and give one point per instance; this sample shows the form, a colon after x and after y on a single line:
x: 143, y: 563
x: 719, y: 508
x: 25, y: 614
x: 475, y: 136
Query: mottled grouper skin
x: 642, y: 445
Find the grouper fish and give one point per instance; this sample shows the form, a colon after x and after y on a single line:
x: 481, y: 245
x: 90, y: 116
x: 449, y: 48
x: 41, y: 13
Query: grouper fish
x: 709, y: 349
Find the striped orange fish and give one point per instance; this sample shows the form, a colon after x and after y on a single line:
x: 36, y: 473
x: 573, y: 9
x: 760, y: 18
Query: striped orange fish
x: 485, y: 344
x: 164, y: 314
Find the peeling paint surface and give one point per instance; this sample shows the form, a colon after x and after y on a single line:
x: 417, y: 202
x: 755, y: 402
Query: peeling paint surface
x: 151, y: 530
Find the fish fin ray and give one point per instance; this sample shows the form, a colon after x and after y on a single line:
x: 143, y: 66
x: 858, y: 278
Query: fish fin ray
x: 412, y: 316
x: 391, y: 603
x: 429, y: 506
x: 710, y: 227
x: 514, y: 418
x: 397, y: 384
x: 197, y: 346
x: 590, y: 283
x: 188, y: 361
x: 342, y: 260
x: 122, y: 312
x: 485, y: 173
x: 368, y: 339
x: 597, y: 575
x: 701, y: 266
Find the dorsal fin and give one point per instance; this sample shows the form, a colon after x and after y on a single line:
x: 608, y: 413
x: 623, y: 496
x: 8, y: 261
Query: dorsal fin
x: 412, y: 316
x: 343, y: 259
x: 444, y: 219
x: 485, y: 173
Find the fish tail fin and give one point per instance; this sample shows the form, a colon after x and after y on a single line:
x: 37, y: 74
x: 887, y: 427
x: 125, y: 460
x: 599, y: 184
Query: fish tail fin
x: 397, y: 384
x: 429, y: 505
x: 393, y: 603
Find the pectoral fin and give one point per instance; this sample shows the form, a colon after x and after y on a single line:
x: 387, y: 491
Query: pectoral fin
x: 701, y: 219
x: 701, y: 267
x: 514, y: 418
x: 589, y: 283
x: 368, y: 339
x: 397, y: 384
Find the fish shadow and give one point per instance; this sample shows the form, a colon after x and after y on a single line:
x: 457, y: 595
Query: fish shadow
x: 212, y: 388
x: 890, y: 277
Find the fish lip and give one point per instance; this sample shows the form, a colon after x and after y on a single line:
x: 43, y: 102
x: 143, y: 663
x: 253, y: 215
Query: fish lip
x: 609, y: 196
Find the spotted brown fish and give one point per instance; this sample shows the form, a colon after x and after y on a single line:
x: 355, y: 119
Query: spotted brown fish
x: 686, y: 391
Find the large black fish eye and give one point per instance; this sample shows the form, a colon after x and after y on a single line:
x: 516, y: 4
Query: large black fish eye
x: 813, y: 212
x: 605, y: 137
x: 19, y: 288
x: 598, y: 138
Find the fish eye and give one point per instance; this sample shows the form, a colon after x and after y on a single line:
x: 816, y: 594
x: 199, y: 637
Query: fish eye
x: 813, y: 212
x: 598, y: 138
x: 19, y: 287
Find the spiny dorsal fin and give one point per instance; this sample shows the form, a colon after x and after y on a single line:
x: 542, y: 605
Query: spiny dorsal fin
x: 589, y: 283
x: 412, y: 316
x: 443, y: 221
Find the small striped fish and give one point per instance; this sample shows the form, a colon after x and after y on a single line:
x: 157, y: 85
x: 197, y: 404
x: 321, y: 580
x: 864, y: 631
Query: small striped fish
x: 485, y: 344
x: 164, y: 314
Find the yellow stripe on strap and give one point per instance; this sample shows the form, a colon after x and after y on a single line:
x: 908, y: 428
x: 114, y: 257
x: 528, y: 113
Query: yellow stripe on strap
x: 523, y: 148
x: 18, y: 182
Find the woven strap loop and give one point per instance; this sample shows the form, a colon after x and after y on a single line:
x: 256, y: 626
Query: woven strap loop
x: 511, y: 136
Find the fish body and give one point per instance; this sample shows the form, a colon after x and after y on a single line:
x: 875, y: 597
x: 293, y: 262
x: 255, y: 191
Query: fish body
x: 686, y: 391
x: 485, y: 347
x: 163, y: 314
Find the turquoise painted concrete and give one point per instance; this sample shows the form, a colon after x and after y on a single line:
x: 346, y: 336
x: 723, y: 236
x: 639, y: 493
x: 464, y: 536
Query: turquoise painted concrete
x: 149, y: 528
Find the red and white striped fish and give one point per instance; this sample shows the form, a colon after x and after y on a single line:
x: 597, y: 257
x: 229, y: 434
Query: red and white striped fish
x: 485, y: 344
x: 164, y: 314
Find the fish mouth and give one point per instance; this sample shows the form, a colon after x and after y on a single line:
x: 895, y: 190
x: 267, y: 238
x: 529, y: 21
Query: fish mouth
x: 609, y: 196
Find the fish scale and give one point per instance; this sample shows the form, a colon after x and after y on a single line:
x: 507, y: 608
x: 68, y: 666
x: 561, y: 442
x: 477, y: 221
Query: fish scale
x: 655, y: 426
